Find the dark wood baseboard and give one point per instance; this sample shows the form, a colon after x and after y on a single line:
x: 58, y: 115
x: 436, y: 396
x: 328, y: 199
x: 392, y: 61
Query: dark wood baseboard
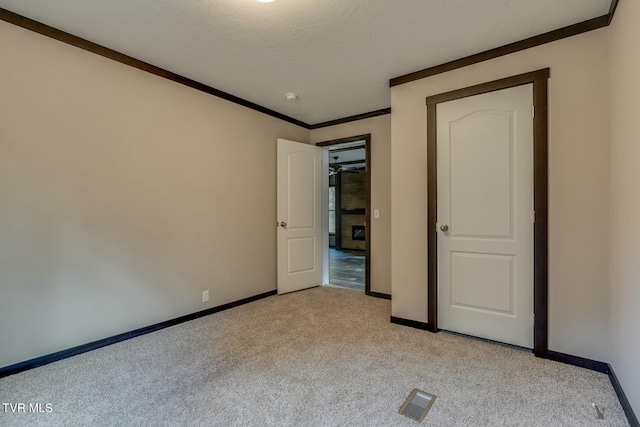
x: 411, y: 323
x: 64, y: 354
x: 581, y: 362
x: 604, y: 368
x: 379, y: 295
x: 626, y: 406
x: 569, y: 359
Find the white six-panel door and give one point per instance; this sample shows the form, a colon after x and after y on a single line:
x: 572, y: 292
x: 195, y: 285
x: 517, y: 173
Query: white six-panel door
x: 299, y: 186
x: 485, y: 215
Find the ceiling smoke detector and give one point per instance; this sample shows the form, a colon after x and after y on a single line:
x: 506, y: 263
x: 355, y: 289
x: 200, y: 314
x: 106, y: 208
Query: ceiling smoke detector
x: 291, y: 96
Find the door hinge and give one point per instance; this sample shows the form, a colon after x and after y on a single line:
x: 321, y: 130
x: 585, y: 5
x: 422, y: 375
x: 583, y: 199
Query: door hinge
x: 533, y: 111
x: 533, y: 217
x: 533, y: 320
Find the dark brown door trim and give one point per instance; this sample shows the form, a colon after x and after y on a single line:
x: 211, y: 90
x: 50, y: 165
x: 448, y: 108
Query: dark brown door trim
x: 540, y: 183
x: 367, y: 244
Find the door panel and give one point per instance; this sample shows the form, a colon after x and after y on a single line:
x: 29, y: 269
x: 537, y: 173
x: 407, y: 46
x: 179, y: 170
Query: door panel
x: 299, y: 216
x: 481, y: 198
x: 485, y: 206
x: 497, y: 271
x: 301, y: 184
x: 302, y: 254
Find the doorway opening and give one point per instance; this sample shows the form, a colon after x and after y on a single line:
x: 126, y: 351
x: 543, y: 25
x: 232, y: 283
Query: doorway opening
x: 348, y: 172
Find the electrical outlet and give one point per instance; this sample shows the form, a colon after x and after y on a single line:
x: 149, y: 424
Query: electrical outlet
x: 205, y: 296
x: 376, y: 213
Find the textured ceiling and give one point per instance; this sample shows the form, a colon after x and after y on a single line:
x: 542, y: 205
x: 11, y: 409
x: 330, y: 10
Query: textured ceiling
x: 337, y: 55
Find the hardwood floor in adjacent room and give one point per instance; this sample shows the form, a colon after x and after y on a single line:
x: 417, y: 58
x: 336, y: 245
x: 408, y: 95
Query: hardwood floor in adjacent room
x: 347, y: 269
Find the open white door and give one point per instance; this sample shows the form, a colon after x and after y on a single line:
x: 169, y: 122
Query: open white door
x: 485, y: 215
x: 299, y: 216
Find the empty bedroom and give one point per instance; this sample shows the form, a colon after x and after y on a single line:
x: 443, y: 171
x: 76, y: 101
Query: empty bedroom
x: 304, y: 212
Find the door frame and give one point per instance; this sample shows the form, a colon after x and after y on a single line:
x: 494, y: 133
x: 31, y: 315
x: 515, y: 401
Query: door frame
x: 540, y: 190
x: 367, y: 216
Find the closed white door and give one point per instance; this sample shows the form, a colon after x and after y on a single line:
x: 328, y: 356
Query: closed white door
x: 485, y: 215
x: 299, y: 216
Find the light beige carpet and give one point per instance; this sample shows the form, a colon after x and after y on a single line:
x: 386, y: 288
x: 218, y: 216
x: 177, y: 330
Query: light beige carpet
x: 319, y: 357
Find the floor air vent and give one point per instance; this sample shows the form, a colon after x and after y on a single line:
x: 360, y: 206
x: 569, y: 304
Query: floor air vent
x: 417, y: 405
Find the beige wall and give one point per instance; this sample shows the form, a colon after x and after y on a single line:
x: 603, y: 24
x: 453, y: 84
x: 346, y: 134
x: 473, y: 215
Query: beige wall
x: 625, y: 200
x: 122, y: 197
x: 380, y: 130
x: 578, y: 186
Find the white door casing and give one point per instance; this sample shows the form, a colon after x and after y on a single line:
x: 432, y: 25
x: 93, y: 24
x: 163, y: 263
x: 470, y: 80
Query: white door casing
x: 485, y: 199
x: 299, y: 216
